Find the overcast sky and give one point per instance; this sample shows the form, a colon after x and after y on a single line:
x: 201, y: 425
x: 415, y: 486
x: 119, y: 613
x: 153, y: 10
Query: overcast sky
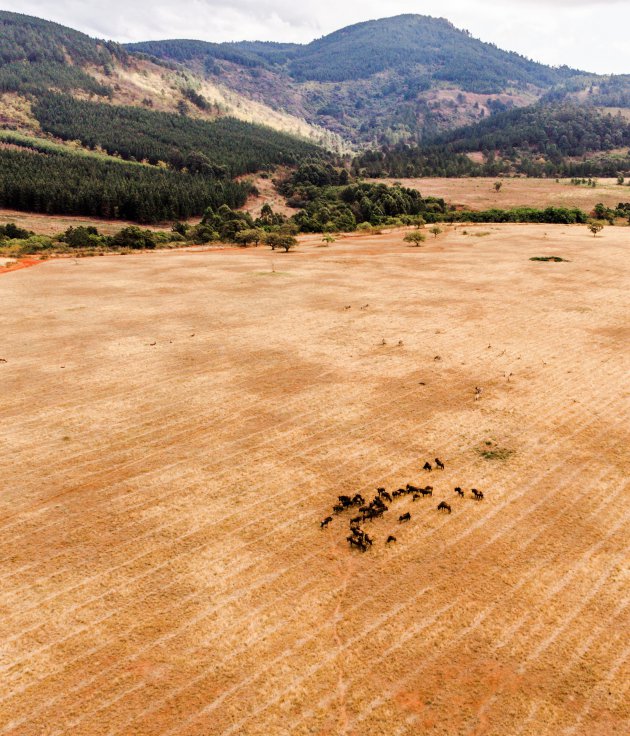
x: 587, y: 34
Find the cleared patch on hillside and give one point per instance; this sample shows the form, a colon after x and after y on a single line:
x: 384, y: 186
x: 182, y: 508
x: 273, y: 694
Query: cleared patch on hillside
x: 16, y: 112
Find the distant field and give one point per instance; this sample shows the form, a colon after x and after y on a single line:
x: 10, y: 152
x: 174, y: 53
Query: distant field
x: 175, y: 426
x: 479, y: 194
x: 54, y: 224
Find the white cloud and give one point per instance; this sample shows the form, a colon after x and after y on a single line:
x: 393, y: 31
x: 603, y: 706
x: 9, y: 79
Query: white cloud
x: 588, y: 34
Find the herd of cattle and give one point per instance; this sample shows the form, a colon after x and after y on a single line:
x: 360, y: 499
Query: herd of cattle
x: 377, y: 507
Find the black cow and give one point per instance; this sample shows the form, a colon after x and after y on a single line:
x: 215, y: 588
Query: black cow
x: 427, y: 466
x: 443, y: 506
x: 405, y: 517
x: 326, y: 522
x: 439, y: 463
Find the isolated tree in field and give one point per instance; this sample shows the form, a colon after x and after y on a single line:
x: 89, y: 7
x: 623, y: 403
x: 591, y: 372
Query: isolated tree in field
x: 415, y: 238
x: 435, y: 231
x: 328, y: 239
x: 620, y: 179
x: 595, y: 227
x: 280, y: 240
x: 497, y: 186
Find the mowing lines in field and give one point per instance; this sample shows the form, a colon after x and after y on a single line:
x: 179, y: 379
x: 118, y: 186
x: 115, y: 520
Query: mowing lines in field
x: 391, y: 691
x: 265, y: 500
x: 234, y: 572
x: 274, y: 531
x: 618, y: 663
x: 450, y: 544
x: 477, y: 551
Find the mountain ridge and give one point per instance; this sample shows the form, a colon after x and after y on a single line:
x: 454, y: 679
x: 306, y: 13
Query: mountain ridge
x: 378, y: 82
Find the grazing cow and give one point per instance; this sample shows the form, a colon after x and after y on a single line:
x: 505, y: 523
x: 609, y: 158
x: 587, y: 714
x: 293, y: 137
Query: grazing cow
x: 439, y: 463
x: 355, y: 521
x: 443, y: 506
x: 358, y: 500
x: 428, y: 491
x: 391, y: 538
x: 386, y: 496
x: 326, y: 522
x: 367, y: 539
x: 416, y: 496
x: 338, y: 508
x: 427, y: 466
x: 412, y: 489
x: 405, y: 517
x: 459, y: 492
x: 397, y: 493
x: 477, y: 494
x: 345, y: 501
x: 354, y: 542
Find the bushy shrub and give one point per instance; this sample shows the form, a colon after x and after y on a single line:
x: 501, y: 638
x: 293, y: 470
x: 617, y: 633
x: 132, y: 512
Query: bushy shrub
x: 135, y: 238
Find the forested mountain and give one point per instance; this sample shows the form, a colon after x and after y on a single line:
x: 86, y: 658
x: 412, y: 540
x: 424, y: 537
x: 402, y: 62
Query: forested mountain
x: 381, y: 82
x: 560, y: 139
x: 403, y: 43
x: 147, y: 145
x: 225, y: 148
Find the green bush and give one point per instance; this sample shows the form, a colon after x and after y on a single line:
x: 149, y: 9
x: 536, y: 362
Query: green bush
x: 135, y: 238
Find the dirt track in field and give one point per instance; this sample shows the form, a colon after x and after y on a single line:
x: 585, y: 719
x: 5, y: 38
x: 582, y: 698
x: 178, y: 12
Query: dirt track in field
x: 175, y: 426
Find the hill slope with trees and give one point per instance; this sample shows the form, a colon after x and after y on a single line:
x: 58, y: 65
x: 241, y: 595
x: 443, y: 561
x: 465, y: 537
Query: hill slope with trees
x: 543, y: 140
x: 383, y: 82
x: 148, y: 145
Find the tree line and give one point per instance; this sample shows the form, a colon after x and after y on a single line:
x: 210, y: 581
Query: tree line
x: 226, y: 147
x: 81, y: 185
x: 535, y: 141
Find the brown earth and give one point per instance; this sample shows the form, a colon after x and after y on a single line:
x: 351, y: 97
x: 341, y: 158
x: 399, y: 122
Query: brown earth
x: 479, y: 193
x: 175, y: 426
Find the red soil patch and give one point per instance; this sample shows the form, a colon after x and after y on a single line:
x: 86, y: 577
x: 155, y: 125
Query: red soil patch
x: 21, y: 263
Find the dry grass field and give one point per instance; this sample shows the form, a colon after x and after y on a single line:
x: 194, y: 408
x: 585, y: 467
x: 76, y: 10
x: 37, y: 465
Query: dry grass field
x: 176, y: 425
x: 479, y: 193
x: 56, y: 224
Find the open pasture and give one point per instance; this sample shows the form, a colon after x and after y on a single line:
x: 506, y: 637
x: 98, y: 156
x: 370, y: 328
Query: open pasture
x: 478, y: 193
x: 175, y: 426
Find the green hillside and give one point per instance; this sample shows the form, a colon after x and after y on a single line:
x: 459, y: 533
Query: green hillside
x: 63, y: 155
x: 381, y: 82
x: 552, y: 140
x: 446, y: 54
